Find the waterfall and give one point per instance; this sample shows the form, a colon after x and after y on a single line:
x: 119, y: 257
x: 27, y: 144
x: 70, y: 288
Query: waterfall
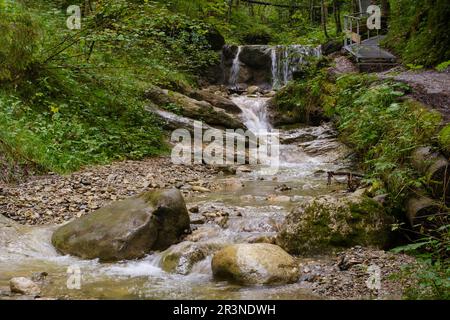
x: 287, y: 59
x: 275, y: 71
x: 235, y: 69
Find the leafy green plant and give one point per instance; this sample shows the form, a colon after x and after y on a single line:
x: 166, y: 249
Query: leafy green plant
x: 442, y: 66
x: 431, y: 274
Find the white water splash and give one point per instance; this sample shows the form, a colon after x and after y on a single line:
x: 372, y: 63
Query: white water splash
x: 254, y: 113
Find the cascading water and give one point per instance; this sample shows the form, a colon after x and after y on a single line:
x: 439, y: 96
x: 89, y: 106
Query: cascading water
x: 235, y: 69
x: 286, y: 61
x: 254, y: 113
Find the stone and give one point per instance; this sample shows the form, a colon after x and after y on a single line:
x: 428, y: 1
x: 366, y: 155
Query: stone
x: 127, y: 229
x: 253, y: 264
x: 24, y: 286
x: 200, y: 189
x: 194, y: 109
x: 253, y: 90
x: 334, y: 222
x: 215, y: 100
x: 182, y: 257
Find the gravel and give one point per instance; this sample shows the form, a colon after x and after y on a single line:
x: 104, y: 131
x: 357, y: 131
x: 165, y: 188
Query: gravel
x: 54, y: 198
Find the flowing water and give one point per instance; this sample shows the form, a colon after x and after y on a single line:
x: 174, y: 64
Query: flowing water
x: 235, y: 69
x: 254, y: 210
x: 285, y: 61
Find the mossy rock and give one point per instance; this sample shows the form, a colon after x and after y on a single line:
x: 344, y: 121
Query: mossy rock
x: 444, y: 139
x: 329, y: 223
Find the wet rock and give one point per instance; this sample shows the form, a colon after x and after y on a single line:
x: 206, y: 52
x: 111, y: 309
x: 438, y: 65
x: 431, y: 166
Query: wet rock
x: 257, y: 57
x: 194, y: 209
x: 253, y: 90
x: 191, y: 108
x: 215, y: 100
x: 283, y: 188
x: 183, y: 256
x: 270, y: 94
x: 328, y: 222
x: 24, y: 286
x: 200, y: 189
x: 251, y: 264
x: 275, y: 198
x: 126, y: 229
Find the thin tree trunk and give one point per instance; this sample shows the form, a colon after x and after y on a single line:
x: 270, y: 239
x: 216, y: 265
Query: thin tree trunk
x: 337, y: 15
x: 324, y: 18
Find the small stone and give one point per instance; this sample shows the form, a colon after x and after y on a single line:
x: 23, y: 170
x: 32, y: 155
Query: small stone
x: 24, y: 286
x: 194, y: 209
x: 200, y: 189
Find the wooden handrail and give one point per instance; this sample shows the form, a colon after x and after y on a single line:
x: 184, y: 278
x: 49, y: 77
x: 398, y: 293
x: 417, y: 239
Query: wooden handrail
x: 263, y: 3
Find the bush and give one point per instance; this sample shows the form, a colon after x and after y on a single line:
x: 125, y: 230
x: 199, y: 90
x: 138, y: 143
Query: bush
x: 258, y: 34
x: 19, y: 35
x: 418, y: 31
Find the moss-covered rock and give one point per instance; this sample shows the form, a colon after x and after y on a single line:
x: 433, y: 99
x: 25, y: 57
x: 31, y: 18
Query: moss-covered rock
x: 258, y: 263
x: 194, y: 109
x: 444, y: 139
x: 126, y: 229
x: 330, y: 222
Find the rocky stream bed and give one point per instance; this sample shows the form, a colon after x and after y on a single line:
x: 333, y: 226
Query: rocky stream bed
x: 242, y: 233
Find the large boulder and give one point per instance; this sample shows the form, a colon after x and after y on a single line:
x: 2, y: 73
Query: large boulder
x: 334, y: 222
x: 215, y: 100
x: 127, y: 229
x: 259, y: 263
x: 191, y: 108
x: 258, y: 57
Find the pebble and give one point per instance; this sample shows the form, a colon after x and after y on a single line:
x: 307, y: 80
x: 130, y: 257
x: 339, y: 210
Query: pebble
x: 53, y: 198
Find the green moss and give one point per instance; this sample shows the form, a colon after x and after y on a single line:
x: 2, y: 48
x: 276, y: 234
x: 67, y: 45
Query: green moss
x: 444, y: 139
x: 329, y: 224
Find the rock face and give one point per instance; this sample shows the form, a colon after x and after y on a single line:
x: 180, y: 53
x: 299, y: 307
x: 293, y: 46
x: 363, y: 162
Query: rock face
x: 24, y: 286
x: 258, y: 263
x: 335, y: 222
x: 215, y: 100
x: 126, y: 229
x: 191, y: 108
x: 255, y: 64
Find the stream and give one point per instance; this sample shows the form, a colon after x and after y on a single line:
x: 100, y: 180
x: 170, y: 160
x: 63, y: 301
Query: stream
x: 246, y: 207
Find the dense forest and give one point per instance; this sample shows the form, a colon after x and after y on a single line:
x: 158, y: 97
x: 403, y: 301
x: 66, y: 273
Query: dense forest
x: 73, y: 98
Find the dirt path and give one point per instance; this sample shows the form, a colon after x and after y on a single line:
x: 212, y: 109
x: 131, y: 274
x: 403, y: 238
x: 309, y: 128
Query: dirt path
x: 429, y: 87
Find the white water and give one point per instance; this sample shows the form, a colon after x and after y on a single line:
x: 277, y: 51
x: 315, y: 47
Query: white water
x: 254, y: 113
x: 235, y: 69
x: 287, y: 59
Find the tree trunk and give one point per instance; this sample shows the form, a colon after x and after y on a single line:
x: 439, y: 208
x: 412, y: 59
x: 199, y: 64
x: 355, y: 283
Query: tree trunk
x: 436, y: 169
x: 337, y: 15
x: 324, y: 18
x: 425, y: 214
